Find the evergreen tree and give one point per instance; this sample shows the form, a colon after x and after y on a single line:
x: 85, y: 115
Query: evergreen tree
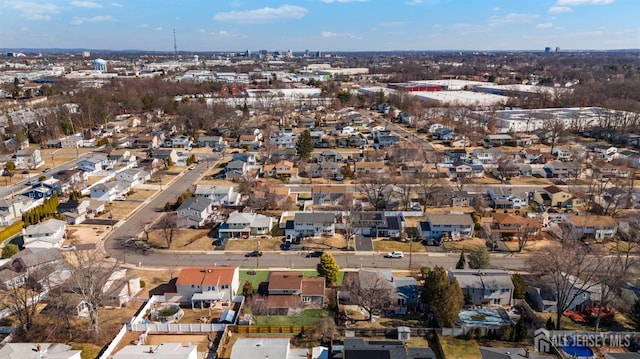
x: 304, y: 146
x: 519, y: 288
x: 247, y: 289
x: 443, y: 297
x: 462, y: 262
x: 520, y: 333
x: 479, y: 258
x: 550, y: 324
x: 328, y: 268
x: 9, y: 250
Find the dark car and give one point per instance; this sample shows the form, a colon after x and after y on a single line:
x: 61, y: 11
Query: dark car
x: 254, y: 254
x: 314, y: 254
x: 286, y: 246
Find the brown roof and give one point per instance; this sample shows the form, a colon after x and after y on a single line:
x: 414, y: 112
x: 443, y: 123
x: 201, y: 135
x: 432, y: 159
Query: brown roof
x: 312, y: 286
x: 206, y: 275
x: 326, y: 188
x: 284, y: 301
x: 592, y: 221
x: 553, y: 189
x: 506, y: 218
x: 285, y: 280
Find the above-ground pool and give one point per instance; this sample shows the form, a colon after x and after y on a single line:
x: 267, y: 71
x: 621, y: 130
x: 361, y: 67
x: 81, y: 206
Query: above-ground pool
x: 488, y: 317
x: 577, y: 351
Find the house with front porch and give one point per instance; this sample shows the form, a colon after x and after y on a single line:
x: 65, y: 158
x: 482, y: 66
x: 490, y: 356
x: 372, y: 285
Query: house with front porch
x: 505, y: 198
x: 438, y: 227
x: 244, y: 225
x: 201, y: 286
x: 48, y: 234
x: 486, y: 287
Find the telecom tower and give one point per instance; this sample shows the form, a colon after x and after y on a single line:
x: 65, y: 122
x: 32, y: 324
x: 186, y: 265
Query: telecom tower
x: 175, y: 44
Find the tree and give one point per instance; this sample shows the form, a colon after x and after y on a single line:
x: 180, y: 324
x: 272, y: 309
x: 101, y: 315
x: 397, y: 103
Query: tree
x: 369, y: 290
x: 568, y: 271
x: 325, y: 331
x: 462, y: 262
x: 519, y: 288
x: 89, y: 280
x: 168, y: 227
x: 328, y: 268
x: 634, y: 314
x: 22, y: 300
x: 377, y: 189
x: 247, y: 289
x: 169, y: 162
x: 9, y: 250
x: 304, y: 145
x: 528, y: 229
x: 479, y: 258
x: 442, y: 297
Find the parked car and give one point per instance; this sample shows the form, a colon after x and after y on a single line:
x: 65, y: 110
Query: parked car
x: 120, y: 198
x: 394, y: 254
x: 286, y: 246
x: 192, y: 167
x: 254, y: 254
x: 67, y: 247
x: 314, y: 254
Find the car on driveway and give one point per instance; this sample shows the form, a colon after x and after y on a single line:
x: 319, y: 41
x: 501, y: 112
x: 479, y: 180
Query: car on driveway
x: 394, y: 254
x: 314, y: 254
x: 286, y: 246
x: 254, y: 254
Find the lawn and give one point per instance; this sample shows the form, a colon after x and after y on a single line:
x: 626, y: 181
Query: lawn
x: 308, y: 317
x: 459, y: 348
x: 262, y: 276
x: 183, y: 239
x: 140, y: 194
x: 620, y: 323
x: 392, y: 245
x: 467, y: 244
x: 266, y: 244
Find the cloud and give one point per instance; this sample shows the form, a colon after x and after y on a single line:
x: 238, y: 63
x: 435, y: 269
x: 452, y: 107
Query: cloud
x: 86, y: 4
x: 344, y: 35
x: 159, y: 28
x: 546, y: 25
x: 143, y: 26
x: 393, y: 23
x: 344, y: 1
x: 116, y: 4
x: 24, y: 29
x: 560, y: 9
x: 32, y: 10
x: 584, y: 2
x: 497, y: 8
x: 82, y: 20
x: 413, y: 2
x: 512, y: 18
x: 261, y: 16
x: 223, y: 33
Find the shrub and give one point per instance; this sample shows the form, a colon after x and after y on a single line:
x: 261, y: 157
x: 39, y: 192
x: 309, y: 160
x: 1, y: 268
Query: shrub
x: 142, y: 284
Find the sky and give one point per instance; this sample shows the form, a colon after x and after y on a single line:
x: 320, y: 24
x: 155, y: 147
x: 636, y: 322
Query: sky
x: 321, y: 25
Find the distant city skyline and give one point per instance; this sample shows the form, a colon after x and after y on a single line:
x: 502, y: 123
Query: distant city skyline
x: 321, y: 25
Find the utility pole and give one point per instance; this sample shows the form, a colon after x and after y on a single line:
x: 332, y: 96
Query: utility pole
x: 175, y: 44
x: 257, y: 254
x: 410, y: 251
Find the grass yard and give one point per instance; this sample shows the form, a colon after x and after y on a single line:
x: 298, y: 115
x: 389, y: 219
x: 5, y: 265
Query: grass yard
x: 459, y: 348
x: 620, y: 323
x: 262, y: 276
x: 308, y: 317
x: 140, y: 194
x: 467, y: 244
x: 119, y: 209
x: 89, y: 351
x: 392, y: 245
x: 183, y: 239
x: 266, y: 244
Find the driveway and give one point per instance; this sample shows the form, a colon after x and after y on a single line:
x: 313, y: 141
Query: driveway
x: 363, y: 244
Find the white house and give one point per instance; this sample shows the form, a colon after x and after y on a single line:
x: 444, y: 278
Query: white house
x: 13, y: 208
x: 200, y: 285
x: 28, y: 159
x: 108, y: 191
x: 219, y: 195
x: 39, y: 350
x: 48, y: 234
x: 93, y: 164
x: 597, y: 227
x: 133, y: 176
x: 245, y: 224
x: 314, y: 224
x: 486, y: 286
x: 194, y: 212
x: 160, y: 351
x: 451, y: 226
x: 181, y: 142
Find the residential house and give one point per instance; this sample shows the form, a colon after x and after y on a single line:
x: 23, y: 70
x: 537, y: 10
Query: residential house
x: 72, y: 141
x: 456, y: 155
x: 95, y: 163
x: 359, y: 348
x: 464, y: 170
x: 108, y: 192
x: 48, y: 234
x: 28, y: 159
x: 562, y: 153
x: 328, y: 156
x: 562, y: 170
x: 504, y: 198
x: 245, y: 224
x: 31, y: 261
x: 121, y: 157
x: 328, y: 195
x: 149, y: 142
x: 194, y: 212
x: 378, y: 224
x: 284, y: 141
x: 74, y: 212
x: 552, y: 196
x: 462, y: 199
x: 485, y: 286
x: 323, y: 169
x: 160, y: 351
x: 364, y: 169
x: 235, y: 169
x: 72, y: 179
x: 11, y: 209
x: 281, y: 169
x: 578, y: 295
x: 39, y: 191
x: 484, y: 157
x: 443, y: 134
x: 446, y: 226
x: 497, y: 140
x: 592, y: 226
x: 266, y: 348
x: 166, y: 155
x: 218, y: 195
x: 215, y: 142
x: 206, y: 285
x: 406, y: 289
x: 248, y: 140
x: 509, y: 225
x: 313, y: 224
x: 292, y: 290
x: 181, y: 142
x: 605, y: 152
x: 39, y: 351
x: 133, y: 176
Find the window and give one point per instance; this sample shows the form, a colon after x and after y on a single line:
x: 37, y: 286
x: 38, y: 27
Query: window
x: 496, y: 301
x: 225, y: 286
x: 306, y: 299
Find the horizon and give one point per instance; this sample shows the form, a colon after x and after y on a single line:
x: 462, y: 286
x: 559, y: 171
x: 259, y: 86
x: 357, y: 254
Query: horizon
x: 321, y: 25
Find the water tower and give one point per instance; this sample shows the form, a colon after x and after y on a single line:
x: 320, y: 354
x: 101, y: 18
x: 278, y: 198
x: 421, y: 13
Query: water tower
x: 100, y: 65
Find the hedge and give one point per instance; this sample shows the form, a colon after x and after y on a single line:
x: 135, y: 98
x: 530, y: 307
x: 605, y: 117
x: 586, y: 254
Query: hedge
x: 11, y: 231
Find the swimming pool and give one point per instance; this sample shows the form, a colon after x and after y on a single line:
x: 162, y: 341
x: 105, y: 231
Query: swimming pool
x: 577, y: 351
x: 488, y: 317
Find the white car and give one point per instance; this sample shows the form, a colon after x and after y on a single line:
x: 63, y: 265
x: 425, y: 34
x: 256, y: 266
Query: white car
x: 394, y: 254
x: 120, y: 198
x: 67, y: 247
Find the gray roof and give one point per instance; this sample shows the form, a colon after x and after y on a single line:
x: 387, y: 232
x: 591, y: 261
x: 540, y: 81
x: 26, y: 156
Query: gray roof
x: 511, y: 353
x: 450, y: 219
x: 196, y: 204
x: 386, y: 349
x: 482, y: 278
x: 314, y: 217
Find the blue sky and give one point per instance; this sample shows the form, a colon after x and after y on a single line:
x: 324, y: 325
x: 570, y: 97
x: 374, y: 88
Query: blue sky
x: 325, y: 25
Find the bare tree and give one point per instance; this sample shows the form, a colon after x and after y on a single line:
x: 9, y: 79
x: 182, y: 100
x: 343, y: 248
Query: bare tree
x: 22, y: 300
x: 167, y: 225
x: 90, y: 281
x: 404, y: 190
x: 429, y: 185
x: 568, y: 270
x: 528, y: 229
x: 506, y: 166
x: 369, y: 290
x: 377, y: 189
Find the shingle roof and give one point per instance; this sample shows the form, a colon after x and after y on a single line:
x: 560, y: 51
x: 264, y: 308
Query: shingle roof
x: 206, y: 275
